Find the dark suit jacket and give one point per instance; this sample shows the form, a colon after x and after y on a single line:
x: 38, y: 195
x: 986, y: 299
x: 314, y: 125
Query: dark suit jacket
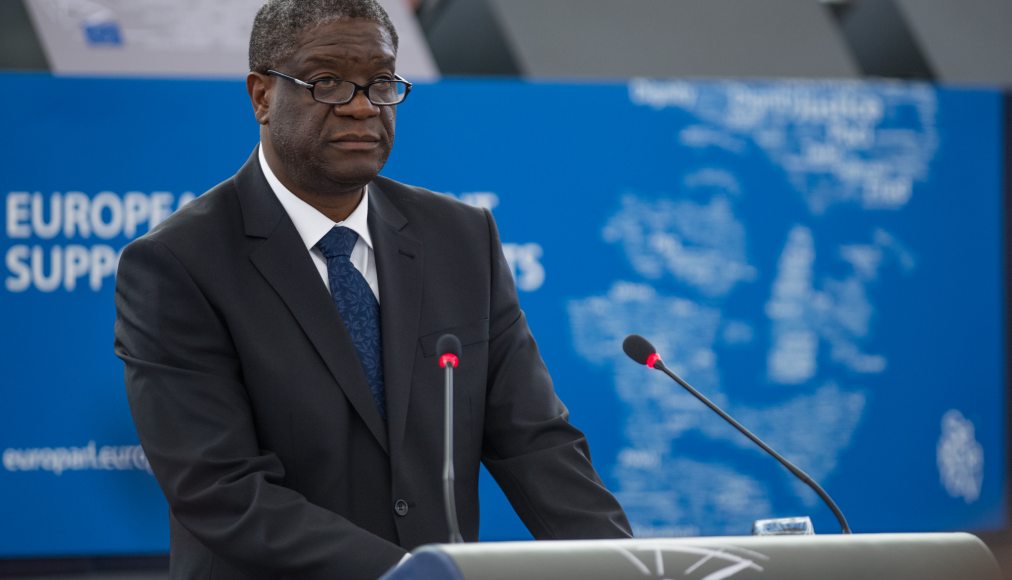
x: 256, y: 415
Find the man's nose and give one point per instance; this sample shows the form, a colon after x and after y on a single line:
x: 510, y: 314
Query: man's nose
x: 359, y: 107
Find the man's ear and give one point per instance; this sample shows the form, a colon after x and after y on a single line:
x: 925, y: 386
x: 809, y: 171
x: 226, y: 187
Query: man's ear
x: 258, y: 86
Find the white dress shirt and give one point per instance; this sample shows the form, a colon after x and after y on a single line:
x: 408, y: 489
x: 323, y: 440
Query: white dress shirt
x: 313, y: 225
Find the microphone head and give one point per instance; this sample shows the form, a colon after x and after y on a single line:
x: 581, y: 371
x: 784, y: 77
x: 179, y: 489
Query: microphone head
x: 448, y: 349
x: 448, y: 344
x: 640, y: 350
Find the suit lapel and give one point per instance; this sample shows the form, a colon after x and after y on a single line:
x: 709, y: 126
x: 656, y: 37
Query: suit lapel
x: 283, y: 261
x: 399, y: 262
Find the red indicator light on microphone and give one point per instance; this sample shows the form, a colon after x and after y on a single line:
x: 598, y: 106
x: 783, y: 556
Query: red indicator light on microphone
x: 653, y: 359
x: 448, y: 359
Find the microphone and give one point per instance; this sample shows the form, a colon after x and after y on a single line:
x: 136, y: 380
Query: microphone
x: 448, y: 349
x: 640, y: 350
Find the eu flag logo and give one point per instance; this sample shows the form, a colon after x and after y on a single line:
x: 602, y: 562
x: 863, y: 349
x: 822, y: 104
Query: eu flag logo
x: 103, y: 33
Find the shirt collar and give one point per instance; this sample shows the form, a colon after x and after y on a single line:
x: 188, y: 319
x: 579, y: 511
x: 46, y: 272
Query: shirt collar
x: 311, y: 224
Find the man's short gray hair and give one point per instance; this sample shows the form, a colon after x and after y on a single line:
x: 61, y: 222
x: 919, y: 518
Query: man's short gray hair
x: 278, y: 24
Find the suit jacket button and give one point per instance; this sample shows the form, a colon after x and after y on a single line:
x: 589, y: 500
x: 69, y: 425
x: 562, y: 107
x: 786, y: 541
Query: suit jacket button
x: 401, y: 507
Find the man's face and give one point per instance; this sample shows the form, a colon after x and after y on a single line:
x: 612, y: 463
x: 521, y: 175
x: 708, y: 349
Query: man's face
x: 332, y: 148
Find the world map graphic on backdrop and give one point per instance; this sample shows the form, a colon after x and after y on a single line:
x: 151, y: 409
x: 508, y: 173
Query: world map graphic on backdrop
x: 844, y: 145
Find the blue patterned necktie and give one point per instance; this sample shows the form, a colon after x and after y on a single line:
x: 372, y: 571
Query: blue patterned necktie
x: 358, y: 307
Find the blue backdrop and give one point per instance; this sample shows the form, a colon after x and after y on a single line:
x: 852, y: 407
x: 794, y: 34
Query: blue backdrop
x: 824, y: 259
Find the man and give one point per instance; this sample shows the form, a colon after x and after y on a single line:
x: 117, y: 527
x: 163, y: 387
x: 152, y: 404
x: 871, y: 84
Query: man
x: 286, y: 389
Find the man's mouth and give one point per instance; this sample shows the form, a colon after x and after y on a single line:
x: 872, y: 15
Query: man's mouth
x: 356, y: 142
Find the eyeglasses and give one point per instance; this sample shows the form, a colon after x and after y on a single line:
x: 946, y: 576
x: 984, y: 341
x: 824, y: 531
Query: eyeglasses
x: 338, y: 92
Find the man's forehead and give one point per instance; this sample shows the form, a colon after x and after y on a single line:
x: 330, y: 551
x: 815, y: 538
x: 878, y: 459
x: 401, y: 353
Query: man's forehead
x: 345, y: 41
x: 351, y: 30
x: 339, y: 56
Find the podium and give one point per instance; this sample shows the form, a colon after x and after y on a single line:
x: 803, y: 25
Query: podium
x: 942, y: 556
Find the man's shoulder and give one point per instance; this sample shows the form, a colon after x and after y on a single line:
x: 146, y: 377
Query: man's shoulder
x: 220, y: 203
x: 435, y: 219
x: 212, y: 216
x: 419, y: 202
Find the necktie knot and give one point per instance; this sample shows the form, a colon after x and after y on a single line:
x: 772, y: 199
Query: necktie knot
x: 339, y: 241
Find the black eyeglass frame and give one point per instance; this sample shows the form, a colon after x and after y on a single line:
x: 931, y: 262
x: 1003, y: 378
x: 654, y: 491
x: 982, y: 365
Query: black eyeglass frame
x: 311, y: 87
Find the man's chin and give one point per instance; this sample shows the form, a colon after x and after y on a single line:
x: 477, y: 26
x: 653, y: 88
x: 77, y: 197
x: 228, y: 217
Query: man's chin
x: 354, y: 177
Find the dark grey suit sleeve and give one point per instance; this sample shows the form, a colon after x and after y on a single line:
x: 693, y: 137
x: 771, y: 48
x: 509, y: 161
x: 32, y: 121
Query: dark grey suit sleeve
x: 196, y: 425
x: 537, y: 457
